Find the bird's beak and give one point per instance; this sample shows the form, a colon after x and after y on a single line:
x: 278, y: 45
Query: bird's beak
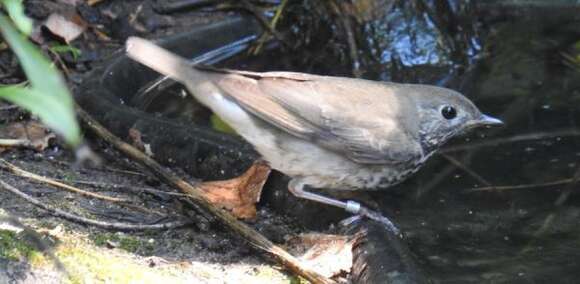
x: 484, y: 120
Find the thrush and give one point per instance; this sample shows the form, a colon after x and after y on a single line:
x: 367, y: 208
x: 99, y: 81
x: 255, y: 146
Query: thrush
x: 326, y: 132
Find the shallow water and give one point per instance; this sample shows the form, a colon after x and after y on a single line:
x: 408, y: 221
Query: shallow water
x: 512, y: 62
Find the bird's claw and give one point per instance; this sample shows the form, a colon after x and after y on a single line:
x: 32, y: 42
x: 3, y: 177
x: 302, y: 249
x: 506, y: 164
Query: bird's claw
x: 376, y: 216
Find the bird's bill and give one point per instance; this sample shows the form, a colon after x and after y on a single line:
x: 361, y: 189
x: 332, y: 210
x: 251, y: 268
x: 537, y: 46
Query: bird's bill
x: 487, y: 120
x: 484, y: 120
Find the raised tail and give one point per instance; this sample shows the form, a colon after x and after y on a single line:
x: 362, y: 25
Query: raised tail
x: 160, y: 59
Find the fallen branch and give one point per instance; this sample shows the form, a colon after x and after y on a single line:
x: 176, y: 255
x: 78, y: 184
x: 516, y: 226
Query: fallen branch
x: 196, y: 196
x: 20, y: 172
x: 86, y: 221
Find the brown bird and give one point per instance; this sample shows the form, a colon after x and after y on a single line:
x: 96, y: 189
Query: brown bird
x: 326, y: 132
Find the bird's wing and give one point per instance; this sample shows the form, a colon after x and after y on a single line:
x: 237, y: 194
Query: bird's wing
x: 361, y: 119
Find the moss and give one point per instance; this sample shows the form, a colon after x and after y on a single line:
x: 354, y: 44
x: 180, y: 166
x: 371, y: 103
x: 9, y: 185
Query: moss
x: 124, y: 242
x: 297, y: 280
x: 86, y: 264
x: 13, y: 246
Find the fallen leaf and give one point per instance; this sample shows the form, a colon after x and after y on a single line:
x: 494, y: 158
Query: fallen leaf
x: 329, y: 255
x: 240, y: 194
x: 137, y: 141
x: 67, y: 26
x: 30, y: 133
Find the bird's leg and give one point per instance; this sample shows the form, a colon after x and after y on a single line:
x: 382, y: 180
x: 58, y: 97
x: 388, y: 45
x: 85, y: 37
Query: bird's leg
x: 296, y: 187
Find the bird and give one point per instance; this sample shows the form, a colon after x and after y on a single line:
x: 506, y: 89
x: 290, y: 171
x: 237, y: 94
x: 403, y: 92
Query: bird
x: 335, y: 133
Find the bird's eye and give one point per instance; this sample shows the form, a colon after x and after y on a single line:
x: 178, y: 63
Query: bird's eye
x: 449, y: 112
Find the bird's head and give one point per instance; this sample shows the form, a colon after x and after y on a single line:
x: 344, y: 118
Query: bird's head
x: 444, y: 113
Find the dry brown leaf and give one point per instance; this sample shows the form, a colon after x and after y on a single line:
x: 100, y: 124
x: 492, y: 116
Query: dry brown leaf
x: 137, y: 141
x: 240, y: 194
x: 329, y: 255
x: 34, y: 134
x: 67, y: 26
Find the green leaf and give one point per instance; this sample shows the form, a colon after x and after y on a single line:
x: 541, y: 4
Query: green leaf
x: 53, y: 113
x: 48, y: 96
x: 60, y: 48
x: 40, y: 72
x: 220, y: 125
x: 15, y: 10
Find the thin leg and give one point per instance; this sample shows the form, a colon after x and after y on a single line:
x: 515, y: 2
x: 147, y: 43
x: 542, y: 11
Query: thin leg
x: 296, y: 187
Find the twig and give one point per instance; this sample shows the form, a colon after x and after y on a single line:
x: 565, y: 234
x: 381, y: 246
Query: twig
x: 513, y: 139
x: 58, y: 183
x: 568, y: 190
x: 101, y: 224
x: 65, y: 69
x: 264, y: 22
x: 20, y: 172
x: 523, y: 186
x: 15, y: 143
x: 272, y: 25
x: 132, y: 188
x: 550, y: 218
x: 109, y: 169
x: 469, y: 171
x: 346, y: 23
x: 94, y: 2
x: 441, y: 176
x: 195, y: 194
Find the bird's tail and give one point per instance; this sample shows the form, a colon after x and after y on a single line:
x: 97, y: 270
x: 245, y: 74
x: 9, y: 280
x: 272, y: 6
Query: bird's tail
x: 159, y: 59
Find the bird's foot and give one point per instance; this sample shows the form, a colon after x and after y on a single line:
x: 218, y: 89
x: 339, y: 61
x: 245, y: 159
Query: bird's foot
x: 356, y: 208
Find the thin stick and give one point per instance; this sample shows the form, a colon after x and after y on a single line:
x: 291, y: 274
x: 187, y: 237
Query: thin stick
x: 108, y: 168
x: 195, y: 194
x: 513, y: 139
x: 347, y: 24
x: 20, y: 172
x: 272, y: 25
x: 523, y: 186
x: 94, y: 2
x: 469, y: 171
x: 15, y: 143
x: 121, y: 186
x: 102, y: 224
x: 264, y: 22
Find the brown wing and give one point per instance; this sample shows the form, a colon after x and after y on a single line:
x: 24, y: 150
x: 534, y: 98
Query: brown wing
x: 359, y: 118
